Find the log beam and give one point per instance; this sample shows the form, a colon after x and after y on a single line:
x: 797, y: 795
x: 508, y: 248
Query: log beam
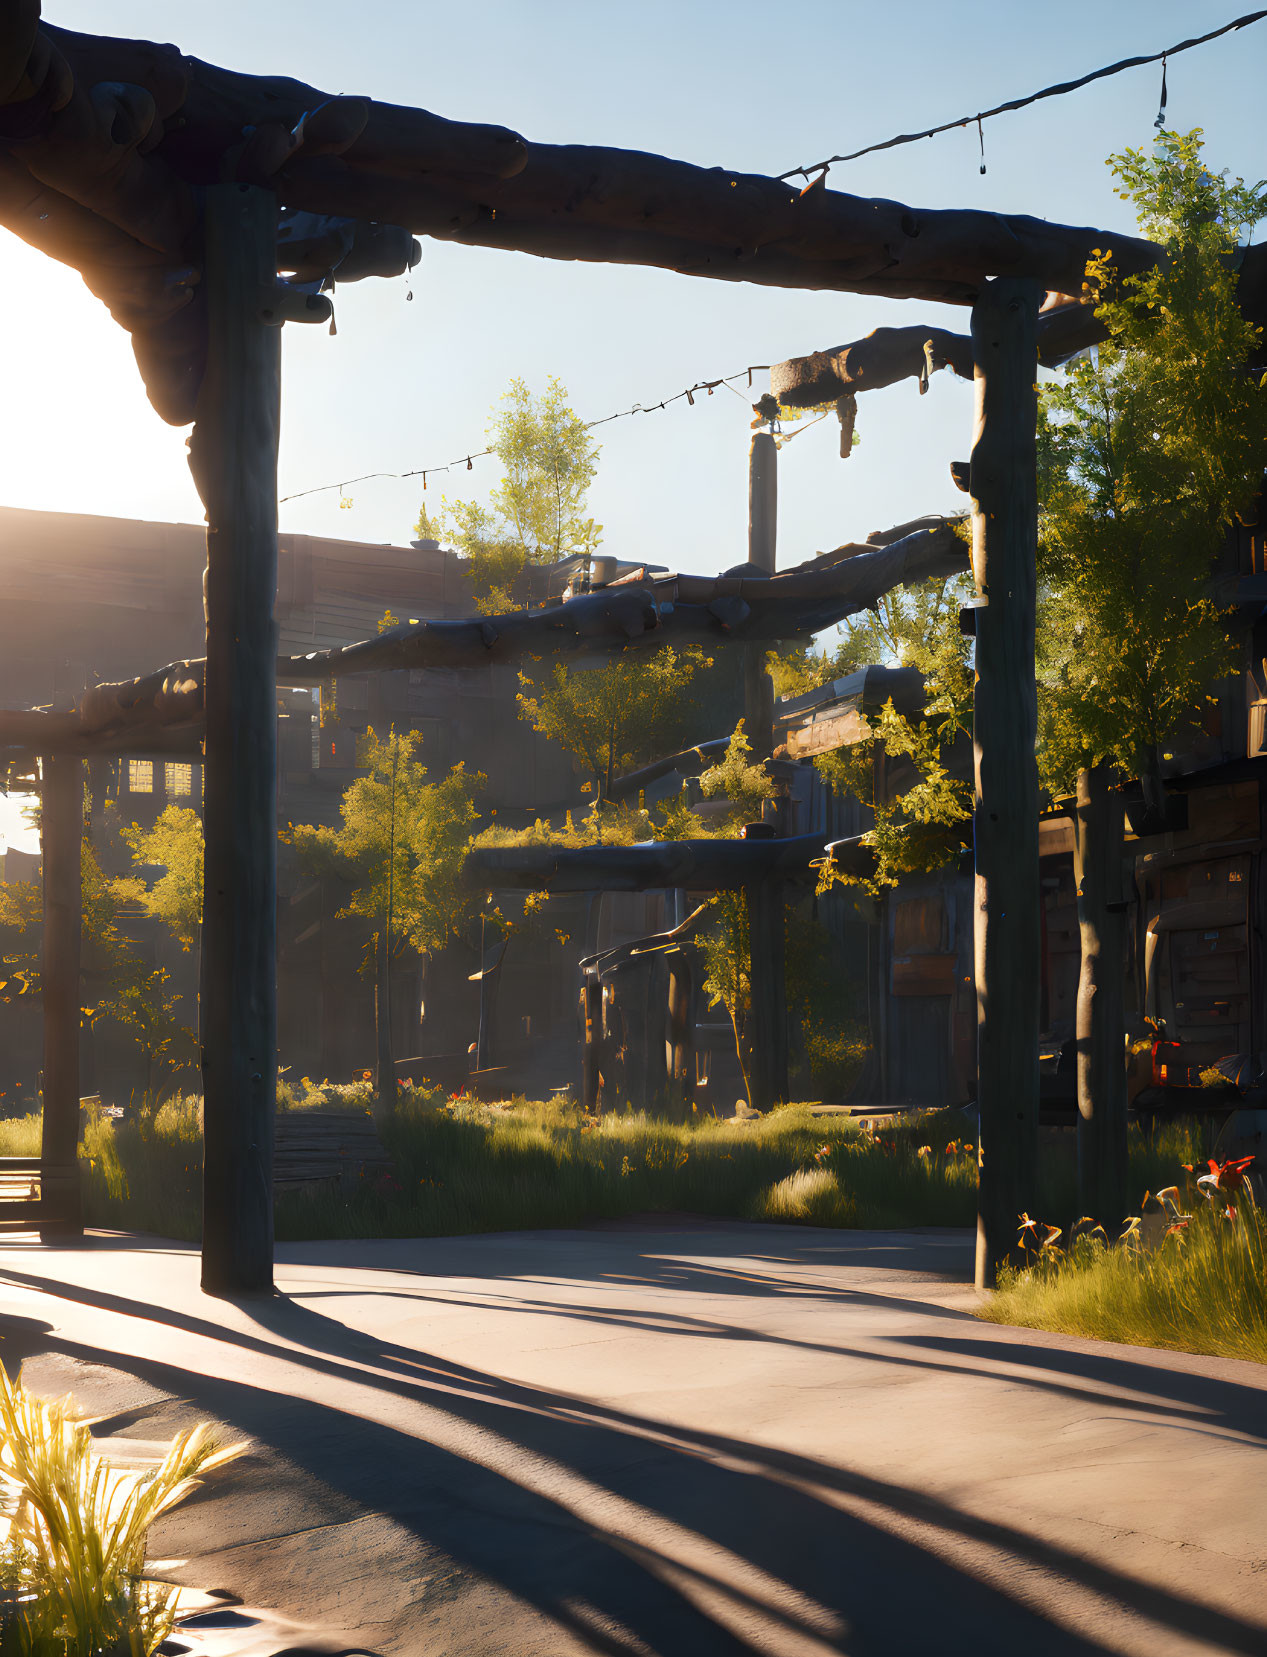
x: 106, y: 140
x: 161, y: 713
x: 673, y: 610
x: 694, y: 865
x: 888, y: 355
x: 37, y: 732
x: 233, y: 456
x: 1005, y: 819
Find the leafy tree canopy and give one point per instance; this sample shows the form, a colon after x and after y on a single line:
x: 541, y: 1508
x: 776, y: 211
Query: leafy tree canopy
x: 175, y: 845
x: 1148, y: 448
x: 921, y: 826
x: 401, y: 844
x: 610, y: 716
x: 536, y: 514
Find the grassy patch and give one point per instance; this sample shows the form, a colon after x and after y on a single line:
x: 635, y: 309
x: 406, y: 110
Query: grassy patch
x: 1191, y: 1277
x: 462, y: 1166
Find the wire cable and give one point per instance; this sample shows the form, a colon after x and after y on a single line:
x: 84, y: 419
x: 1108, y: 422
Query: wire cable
x: 1057, y: 91
x: 467, y: 460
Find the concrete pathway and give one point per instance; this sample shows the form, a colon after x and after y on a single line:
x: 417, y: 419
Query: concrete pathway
x: 677, y: 1439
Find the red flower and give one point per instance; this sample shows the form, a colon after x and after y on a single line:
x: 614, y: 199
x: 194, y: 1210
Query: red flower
x: 1231, y: 1174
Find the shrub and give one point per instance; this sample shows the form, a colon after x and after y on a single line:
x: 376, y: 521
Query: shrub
x: 77, y: 1530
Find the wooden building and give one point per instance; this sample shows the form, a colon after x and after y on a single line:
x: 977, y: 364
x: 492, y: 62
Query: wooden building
x: 95, y: 598
x: 1197, y: 955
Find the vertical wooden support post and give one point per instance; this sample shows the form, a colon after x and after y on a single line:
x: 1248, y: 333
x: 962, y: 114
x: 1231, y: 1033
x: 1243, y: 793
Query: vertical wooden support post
x: 61, y: 835
x: 234, y: 461
x: 763, y: 502
x: 763, y: 507
x: 1098, y: 830
x: 767, y: 1064
x: 1005, y: 825
x: 767, y: 1024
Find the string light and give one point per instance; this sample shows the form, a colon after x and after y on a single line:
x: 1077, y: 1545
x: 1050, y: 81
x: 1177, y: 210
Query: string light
x: 1057, y: 91
x: 468, y: 461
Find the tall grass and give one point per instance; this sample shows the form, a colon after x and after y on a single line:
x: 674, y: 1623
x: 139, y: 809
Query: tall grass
x: 462, y: 1166
x: 1199, y: 1285
x: 75, y: 1530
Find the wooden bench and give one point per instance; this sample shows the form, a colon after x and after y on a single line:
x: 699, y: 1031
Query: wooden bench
x: 312, y: 1147
x: 39, y: 1196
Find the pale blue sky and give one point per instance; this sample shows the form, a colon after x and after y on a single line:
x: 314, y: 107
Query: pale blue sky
x: 739, y: 84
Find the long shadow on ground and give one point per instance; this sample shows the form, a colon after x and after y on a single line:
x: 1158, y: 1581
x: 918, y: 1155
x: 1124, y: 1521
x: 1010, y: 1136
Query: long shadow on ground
x: 775, y: 1512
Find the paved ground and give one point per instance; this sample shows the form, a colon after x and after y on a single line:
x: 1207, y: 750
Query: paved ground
x: 683, y: 1440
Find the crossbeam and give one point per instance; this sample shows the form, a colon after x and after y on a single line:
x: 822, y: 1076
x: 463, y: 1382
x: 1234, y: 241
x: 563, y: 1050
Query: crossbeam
x: 105, y: 141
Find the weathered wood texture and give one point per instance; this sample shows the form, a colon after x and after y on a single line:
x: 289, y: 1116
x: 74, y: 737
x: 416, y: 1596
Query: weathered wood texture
x: 313, y: 1146
x: 234, y: 461
x: 66, y: 733
x: 763, y: 502
x: 767, y: 1025
x: 888, y: 355
x: 650, y: 614
x: 103, y: 142
x: 767, y: 1019
x: 61, y: 836
x: 1098, y: 832
x: 1005, y: 818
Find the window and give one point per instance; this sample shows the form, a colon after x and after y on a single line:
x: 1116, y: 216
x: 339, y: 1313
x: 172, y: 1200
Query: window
x: 140, y: 776
x: 179, y: 777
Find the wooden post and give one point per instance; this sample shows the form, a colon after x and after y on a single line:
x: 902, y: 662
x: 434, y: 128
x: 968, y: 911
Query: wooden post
x: 1005, y: 824
x: 61, y: 835
x: 767, y: 1029
x: 767, y: 1024
x: 763, y: 502
x: 1098, y: 830
x: 234, y: 461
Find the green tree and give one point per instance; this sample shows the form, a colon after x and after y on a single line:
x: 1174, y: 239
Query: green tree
x: 119, y: 985
x: 536, y: 514
x: 401, y: 845
x: 725, y: 947
x: 1148, y: 448
x: 923, y: 826
x: 610, y: 716
x: 173, y: 844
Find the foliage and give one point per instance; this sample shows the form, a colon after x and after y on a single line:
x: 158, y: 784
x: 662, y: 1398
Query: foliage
x: 736, y: 779
x: 610, y: 715
x: 835, y: 1054
x: 725, y: 947
x: 461, y: 1166
x: 1192, y: 1282
x: 401, y: 845
x: 77, y: 1528
x: 1148, y: 448
x: 922, y: 826
x: 122, y: 987
x: 536, y: 514
x: 480, y: 1167
x: 606, y: 823
x: 175, y: 845
x: 725, y: 950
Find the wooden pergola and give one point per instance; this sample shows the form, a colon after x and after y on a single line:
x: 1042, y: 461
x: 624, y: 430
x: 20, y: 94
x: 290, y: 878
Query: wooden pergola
x: 179, y: 189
